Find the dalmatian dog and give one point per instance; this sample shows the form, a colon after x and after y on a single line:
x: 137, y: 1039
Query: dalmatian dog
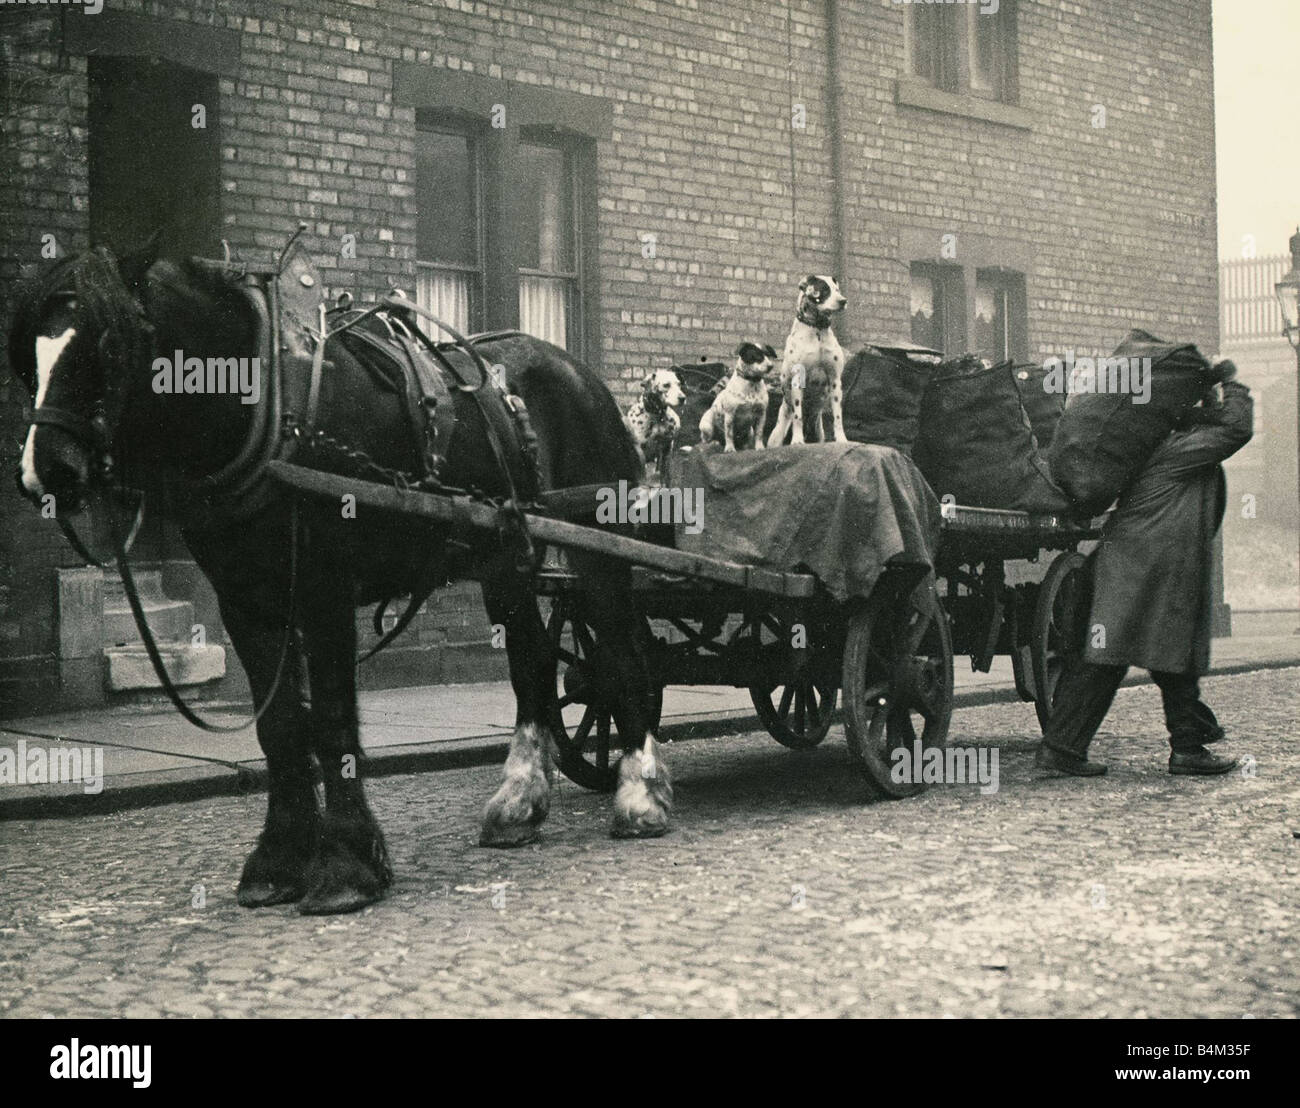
x: 812, y: 356
x: 740, y: 407
x: 653, y: 420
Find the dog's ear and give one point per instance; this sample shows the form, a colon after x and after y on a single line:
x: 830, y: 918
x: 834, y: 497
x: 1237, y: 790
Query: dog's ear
x: 807, y: 281
x: 769, y: 352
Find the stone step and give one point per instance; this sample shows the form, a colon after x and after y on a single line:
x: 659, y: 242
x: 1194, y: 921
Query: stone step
x: 148, y: 583
x: 129, y: 666
x: 169, y: 620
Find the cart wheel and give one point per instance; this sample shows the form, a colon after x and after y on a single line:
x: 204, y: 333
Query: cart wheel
x: 588, y: 756
x: 897, y: 678
x: 1056, y: 627
x: 797, y: 714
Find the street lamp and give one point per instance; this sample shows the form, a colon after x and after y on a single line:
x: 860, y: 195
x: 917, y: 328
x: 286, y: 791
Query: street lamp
x: 1287, y: 291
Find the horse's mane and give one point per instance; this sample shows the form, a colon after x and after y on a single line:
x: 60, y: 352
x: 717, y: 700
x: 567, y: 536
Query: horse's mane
x: 112, y: 305
x: 105, y: 307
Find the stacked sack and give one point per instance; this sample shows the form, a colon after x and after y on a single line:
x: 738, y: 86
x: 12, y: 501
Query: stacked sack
x: 977, y: 443
x: 1104, y: 438
x: 882, y: 395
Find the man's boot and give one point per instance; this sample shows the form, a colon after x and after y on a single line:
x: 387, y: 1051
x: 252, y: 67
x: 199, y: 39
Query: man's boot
x: 1058, y: 762
x: 1199, y: 762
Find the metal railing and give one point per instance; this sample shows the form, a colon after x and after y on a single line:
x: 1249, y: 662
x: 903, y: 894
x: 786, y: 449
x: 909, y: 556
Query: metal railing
x: 1248, y: 308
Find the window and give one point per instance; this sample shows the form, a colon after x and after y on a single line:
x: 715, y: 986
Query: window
x: 548, y: 248
x: 927, y: 309
x: 449, y: 235
x: 932, y: 44
x: 935, y: 308
x: 507, y: 217
x: 964, y: 48
x: 1000, y: 324
x: 990, y: 39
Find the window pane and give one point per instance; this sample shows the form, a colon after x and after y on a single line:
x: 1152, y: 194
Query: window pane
x: 446, y: 220
x: 544, y: 308
x: 447, y: 295
x: 991, y: 339
x: 933, y: 36
x: 927, y: 310
x: 546, y: 224
x: 987, y: 46
x: 924, y: 32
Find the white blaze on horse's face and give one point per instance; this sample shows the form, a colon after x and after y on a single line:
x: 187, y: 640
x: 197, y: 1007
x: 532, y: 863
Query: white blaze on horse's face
x: 48, y: 352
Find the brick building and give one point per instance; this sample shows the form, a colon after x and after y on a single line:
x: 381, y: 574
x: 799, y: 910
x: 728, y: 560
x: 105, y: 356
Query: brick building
x: 643, y: 182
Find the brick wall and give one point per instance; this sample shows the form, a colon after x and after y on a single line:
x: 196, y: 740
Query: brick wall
x: 1118, y: 222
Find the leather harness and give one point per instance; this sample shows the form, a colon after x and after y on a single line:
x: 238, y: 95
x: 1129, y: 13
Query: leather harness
x: 294, y: 325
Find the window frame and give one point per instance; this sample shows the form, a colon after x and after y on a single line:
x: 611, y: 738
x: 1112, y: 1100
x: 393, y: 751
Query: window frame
x: 571, y: 167
x: 1010, y: 284
x: 949, y: 284
x: 955, y: 47
x: 430, y: 123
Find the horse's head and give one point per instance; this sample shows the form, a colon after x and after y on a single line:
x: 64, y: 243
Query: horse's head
x: 77, y: 332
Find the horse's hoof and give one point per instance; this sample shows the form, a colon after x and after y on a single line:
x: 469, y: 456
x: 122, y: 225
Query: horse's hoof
x: 514, y: 815
x: 341, y: 882
x: 518, y: 808
x: 505, y: 836
x: 349, y: 869
x: 263, y: 894
x: 337, y: 901
x: 273, y: 874
x: 643, y: 801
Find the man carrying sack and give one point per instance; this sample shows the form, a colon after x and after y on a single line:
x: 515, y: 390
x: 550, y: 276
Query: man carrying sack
x: 1151, y: 596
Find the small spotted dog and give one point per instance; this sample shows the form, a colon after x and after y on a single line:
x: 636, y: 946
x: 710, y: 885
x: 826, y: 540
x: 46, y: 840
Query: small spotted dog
x: 653, y: 420
x: 740, y: 408
x: 812, y: 352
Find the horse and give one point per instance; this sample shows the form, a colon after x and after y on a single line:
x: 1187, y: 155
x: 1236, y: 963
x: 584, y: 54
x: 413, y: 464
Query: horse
x: 85, y: 334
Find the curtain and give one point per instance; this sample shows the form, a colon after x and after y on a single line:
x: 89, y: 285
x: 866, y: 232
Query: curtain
x: 446, y: 294
x: 543, y: 308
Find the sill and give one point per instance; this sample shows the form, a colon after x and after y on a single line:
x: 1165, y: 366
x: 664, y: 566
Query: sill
x: 917, y: 94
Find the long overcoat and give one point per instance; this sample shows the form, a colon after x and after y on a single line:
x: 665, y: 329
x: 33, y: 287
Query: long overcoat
x: 1152, y: 599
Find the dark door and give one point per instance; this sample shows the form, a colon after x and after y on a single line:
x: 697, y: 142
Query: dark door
x: 151, y: 169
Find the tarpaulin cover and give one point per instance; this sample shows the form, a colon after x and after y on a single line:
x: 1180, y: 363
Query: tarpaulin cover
x: 837, y: 510
x: 1104, y: 439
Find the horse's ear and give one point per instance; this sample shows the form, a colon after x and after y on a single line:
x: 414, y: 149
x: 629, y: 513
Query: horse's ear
x: 135, y: 263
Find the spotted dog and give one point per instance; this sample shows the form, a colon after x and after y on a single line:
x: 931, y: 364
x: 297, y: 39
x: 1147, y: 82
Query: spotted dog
x: 812, y: 351
x: 653, y: 420
x: 740, y: 407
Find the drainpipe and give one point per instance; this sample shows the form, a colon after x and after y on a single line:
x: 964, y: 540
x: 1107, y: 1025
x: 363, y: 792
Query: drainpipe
x: 839, y: 230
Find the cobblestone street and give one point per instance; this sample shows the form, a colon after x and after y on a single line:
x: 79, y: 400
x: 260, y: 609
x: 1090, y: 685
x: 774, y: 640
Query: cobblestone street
x: 782, y: 891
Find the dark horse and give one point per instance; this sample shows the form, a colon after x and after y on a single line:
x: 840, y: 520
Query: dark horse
x: 84, y: 337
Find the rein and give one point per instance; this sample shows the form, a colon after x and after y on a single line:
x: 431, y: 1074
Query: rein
x: 155, y: 657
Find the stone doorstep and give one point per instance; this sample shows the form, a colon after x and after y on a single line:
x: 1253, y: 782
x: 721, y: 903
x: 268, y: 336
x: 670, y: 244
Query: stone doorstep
x: 170, y: 621
x: 129, y: 666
